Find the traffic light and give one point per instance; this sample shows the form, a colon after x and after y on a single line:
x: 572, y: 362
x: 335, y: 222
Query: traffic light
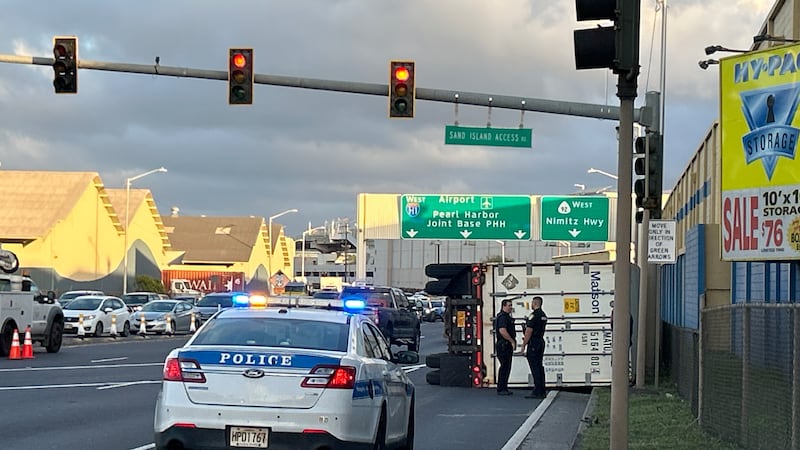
x: 610, y: 47
x: 65, y: 64
x: 240, y: 76
x: 649, y: 165
x: 655, y: 174
x: 451, y: 279
x: 477, y: 276
x: 401, y: 89
x: 640, y: 169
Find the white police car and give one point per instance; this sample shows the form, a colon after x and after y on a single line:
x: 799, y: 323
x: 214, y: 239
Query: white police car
x: 286, y: 378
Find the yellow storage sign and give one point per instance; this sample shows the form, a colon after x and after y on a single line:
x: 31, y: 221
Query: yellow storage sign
x: 760, y: 176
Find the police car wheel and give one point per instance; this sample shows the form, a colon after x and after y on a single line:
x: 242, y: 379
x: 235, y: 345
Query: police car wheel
x: 380, y: 435
x: 410, y: 430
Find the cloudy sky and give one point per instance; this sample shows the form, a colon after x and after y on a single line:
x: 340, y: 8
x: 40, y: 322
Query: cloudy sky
x: 315, y: 150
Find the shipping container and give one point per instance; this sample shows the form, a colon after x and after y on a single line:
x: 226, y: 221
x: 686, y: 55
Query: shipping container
x: 206, y: 281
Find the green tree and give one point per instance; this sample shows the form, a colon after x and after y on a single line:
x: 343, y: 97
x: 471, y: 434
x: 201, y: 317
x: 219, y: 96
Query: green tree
x: 149, y: 284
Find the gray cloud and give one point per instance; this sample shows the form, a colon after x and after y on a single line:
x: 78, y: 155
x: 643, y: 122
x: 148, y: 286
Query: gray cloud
x: 315, y: 150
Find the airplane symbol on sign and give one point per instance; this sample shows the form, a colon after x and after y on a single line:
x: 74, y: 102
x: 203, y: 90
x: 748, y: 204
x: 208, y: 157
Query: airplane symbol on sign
x: 486, y: 203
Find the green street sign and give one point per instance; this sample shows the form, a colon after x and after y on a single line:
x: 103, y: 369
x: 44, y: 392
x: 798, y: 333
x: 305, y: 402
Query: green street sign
x: 495, y: 137
x: 575, y: 218
x: 502, y: 217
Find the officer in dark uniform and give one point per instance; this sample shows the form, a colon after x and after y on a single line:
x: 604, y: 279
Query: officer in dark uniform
x: 505, y: 345
x: 534, y: 340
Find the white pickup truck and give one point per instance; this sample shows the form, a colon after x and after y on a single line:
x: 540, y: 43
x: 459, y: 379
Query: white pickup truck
x: 23, y: 304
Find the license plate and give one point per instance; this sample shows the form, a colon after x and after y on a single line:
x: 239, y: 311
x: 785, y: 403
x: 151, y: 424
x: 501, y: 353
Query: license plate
x: 248, y: 437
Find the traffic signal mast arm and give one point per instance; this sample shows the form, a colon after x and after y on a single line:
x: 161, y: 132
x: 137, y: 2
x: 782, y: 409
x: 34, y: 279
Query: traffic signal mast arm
x: 589, y: 110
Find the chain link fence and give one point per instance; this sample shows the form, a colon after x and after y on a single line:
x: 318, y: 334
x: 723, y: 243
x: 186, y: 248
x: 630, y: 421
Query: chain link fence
x: 749, y: 373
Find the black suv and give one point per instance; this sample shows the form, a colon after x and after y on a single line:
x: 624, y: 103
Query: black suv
x: 396, y: 316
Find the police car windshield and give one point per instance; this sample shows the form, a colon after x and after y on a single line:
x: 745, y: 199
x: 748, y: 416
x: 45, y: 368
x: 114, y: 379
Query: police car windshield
x: 84, y: 304
x: 275, y: 332
x: 223, y: 301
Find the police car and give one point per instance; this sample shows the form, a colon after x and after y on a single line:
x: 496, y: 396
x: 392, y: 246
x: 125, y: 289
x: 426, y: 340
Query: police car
x: 286, y: 378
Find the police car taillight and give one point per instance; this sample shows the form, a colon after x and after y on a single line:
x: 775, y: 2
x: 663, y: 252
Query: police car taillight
x: 183, y: 370
x: 332, y: 377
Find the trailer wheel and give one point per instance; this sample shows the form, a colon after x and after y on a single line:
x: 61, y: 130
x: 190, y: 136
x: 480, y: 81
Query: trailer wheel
x: 434, y: 360
x: 433, y: 377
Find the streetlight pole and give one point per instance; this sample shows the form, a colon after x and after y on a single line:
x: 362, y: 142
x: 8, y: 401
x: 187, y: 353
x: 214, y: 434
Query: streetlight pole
x: 269, y: 253
x: 128, y: 182
x: 502, y: 251
x: 602, y: 172
x: 303, y: 258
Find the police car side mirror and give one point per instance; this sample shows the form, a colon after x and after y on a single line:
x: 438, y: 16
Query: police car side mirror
x: 406, y: 357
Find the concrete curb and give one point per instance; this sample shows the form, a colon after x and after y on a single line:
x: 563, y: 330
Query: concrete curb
x: 516, y: 440
x: 586, y: 419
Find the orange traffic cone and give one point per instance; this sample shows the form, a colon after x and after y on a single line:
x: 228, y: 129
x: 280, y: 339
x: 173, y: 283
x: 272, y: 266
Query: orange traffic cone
x: 15, y: 353
x: 27, y: 346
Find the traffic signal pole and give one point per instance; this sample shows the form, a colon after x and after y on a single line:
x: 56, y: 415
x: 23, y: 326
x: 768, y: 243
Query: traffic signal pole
x: 577, y: 109
x: 626, y: 91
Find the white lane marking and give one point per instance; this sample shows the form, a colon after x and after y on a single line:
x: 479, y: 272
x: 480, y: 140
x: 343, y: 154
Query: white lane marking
x: 128, y: 383
x: 57, y: 386
x: 145, y: 447
x: 105, y: 366
x: 109, y: 359
x: 409, y: 369
x: 525, y: 429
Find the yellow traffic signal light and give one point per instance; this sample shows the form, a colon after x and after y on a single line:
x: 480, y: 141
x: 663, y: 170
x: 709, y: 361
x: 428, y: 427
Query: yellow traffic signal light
x: 240, y: 76
x: 65, y: 64
x: 401, y: 89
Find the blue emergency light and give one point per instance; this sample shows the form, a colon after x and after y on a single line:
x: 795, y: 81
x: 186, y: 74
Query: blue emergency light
x: 354, y: 305
x: 241, y: 301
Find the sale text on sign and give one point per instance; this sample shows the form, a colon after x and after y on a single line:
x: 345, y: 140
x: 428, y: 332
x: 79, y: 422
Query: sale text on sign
x: 760, y: 182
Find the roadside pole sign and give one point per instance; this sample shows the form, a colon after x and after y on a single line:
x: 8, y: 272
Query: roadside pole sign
x: 494, y: 137
x: 661, y: 242
x: 574, y: 218
x: 465, y: 216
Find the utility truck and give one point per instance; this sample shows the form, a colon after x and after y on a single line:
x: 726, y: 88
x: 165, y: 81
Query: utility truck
x: 23, y: 304
x: 578, y: 298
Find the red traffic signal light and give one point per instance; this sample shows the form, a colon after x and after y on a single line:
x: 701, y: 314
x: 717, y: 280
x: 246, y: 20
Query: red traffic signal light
x: 240, y: 76
x: 65, y: 64
x: 478, y: 278
x: 401, y: 89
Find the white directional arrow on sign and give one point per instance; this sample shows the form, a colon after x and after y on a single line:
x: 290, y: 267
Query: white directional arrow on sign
x: 519, y: 234
x: 574, y: 232
x: 411, y: 233
x: 465, y: 233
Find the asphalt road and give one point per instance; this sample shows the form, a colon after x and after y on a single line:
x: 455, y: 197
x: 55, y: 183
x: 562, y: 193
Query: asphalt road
x: 100, y: 393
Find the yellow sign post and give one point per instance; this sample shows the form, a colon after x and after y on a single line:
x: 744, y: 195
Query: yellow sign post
x: 760, y: 179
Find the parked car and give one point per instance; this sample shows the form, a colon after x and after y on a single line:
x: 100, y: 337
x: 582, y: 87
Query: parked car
x: 135, y: 300
x: 326, y: 294
x: 158, y: 312
x: 68, y: 296
x: 98, y: 311
x: 211, y: 303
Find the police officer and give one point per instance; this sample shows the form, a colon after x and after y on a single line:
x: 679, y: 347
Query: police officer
x: 534, y: 340
x: 505, y: 345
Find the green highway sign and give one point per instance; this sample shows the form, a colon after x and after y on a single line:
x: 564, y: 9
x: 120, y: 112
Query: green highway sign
x: 574, y: 218
x: 502, y: 217
x: 495, y: 137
